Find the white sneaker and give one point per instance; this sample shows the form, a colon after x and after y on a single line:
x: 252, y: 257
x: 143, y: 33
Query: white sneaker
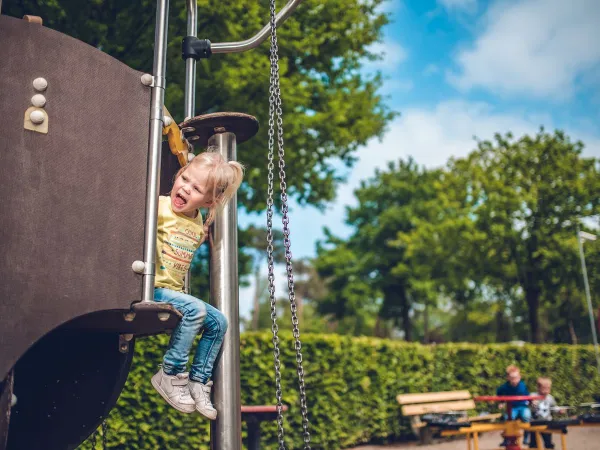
x: 201, y: 394
x: 175, y: 390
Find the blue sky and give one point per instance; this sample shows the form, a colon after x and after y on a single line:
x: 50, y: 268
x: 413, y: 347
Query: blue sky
x: 461, y: 68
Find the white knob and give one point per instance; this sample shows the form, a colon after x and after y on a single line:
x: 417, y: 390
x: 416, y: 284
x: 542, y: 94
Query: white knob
x: 147, y: 79
x: 40, y: 84
x: 167, y: 121
x: 138, y: 266
x: 163, y: 316
x: 36, y: 117
x: 38, y: 100
x: 191, y: 156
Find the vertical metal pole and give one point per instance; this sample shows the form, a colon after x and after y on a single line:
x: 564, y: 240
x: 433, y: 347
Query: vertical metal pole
x: 154, y: 146
x: 588, y: 298
x: 226, y: 431
x: 190, y: 63
x: 190, y: 87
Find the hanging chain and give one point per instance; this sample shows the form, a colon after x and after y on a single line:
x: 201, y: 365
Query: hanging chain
x: 276, y: 117
x: 104, y: 430
x: 271, y: 264
x: 93, y: 439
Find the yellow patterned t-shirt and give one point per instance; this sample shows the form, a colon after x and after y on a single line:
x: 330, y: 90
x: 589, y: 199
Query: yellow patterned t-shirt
x: 179, y: 236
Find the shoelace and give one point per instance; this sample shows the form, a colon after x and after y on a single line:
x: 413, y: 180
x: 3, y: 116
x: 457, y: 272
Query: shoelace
x: 185, y: 393
x: 205, y: 392
x: 184, y: 390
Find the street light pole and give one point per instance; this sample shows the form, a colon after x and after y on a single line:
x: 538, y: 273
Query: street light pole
x: 581, y: 237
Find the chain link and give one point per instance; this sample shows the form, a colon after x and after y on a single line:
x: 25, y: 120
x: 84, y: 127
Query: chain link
x: 276, y: 118
x: 104, y: 432
x: 270, y: 260
x: 93, y: 439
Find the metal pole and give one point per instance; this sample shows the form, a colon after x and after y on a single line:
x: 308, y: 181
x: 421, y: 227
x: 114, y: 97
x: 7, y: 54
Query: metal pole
x: 226, y: 431
x: 154, y: 146
x: 588, y: 298
x: 190, y: 63
x: 258, y: 38
x: 190, y: 88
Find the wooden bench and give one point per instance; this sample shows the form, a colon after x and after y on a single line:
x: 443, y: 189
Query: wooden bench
x: 253, y: 416
x: 457, y: 403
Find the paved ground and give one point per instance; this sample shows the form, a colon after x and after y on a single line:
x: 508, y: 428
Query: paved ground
x: 584, y: 438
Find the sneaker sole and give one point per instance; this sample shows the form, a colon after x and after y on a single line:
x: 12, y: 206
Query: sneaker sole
x: 204, y: 415
x: 164, y: 395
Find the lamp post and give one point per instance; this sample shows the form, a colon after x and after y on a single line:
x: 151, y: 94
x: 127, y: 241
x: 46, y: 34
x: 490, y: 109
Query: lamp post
x: 583, y: 236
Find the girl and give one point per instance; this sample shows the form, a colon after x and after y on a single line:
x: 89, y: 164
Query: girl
x: 208, y: 181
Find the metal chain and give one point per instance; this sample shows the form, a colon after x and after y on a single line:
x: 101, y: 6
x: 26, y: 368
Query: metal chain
x: 93, y: 439
x: 104, y: 432
x: 270, y: 260
x: 276, y: 112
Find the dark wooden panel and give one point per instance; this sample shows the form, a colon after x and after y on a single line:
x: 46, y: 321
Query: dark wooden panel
x: 6, y: 392
x: 65, y: 385
x: 73, y: 200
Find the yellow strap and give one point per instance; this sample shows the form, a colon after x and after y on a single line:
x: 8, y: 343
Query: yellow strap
x: 177, y: 143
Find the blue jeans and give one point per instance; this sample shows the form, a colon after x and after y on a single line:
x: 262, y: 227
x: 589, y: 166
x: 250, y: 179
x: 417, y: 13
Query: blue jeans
x: 197, y: 316
x: 523, y: 413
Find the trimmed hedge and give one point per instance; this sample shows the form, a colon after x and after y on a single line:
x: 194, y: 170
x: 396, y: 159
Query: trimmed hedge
x: 351, y: 387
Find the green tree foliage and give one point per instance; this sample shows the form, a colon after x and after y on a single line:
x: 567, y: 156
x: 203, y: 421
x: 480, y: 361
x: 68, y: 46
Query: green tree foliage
x: 256, y: 239
x: 330, y: 107
x: 489, y: 239
x: 352, y: 385
x: 308, y: 288
x: 528, y: 194
x: 368, y: 272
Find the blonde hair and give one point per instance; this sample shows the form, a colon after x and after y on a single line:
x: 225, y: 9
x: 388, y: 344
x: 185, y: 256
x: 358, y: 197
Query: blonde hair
x: 224, y: 176
x: 544, y: 381
x: 512, y: 369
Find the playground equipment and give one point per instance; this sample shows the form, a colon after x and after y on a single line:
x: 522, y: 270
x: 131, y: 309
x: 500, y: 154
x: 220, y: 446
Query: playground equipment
x: 78, y: 227
x: 512, y: 429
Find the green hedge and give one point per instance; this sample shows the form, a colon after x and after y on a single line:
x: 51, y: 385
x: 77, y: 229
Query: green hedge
x: 351, y: 386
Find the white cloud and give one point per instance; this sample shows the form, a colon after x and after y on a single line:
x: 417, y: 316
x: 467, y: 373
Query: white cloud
x: 431, y: 136
x: 536, y: 48
x: 430, y: 69
x: 458, y: 5
x: 393, y: 54
x: 396, y: 85
x: 389, y: 6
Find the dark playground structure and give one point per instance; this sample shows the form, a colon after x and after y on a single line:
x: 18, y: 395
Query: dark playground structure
x: 453, y: 424
x: 83, y: 163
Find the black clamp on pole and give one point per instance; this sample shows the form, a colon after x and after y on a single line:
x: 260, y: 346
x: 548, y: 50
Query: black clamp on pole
x: 192, y: 47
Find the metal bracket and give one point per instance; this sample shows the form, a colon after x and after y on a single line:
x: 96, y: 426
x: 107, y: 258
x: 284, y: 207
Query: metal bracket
x: 153, y: 81
x: 124, y: 340
x: 192, y: 47
x: 40, y: 125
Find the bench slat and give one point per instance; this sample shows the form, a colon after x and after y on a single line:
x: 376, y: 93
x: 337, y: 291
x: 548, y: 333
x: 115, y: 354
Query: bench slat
x: 406, y: 399
x: 462, y: 405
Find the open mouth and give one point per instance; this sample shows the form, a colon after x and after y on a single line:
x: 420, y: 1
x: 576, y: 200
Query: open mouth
x: 179, y: 201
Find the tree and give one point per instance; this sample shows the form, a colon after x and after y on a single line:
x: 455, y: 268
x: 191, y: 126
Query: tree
x: 489, y: 239
x: 527, y: 196
x: 330, y: 107
x: 369, y: 268
x: 256, y: 242
x: 350, y: 299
